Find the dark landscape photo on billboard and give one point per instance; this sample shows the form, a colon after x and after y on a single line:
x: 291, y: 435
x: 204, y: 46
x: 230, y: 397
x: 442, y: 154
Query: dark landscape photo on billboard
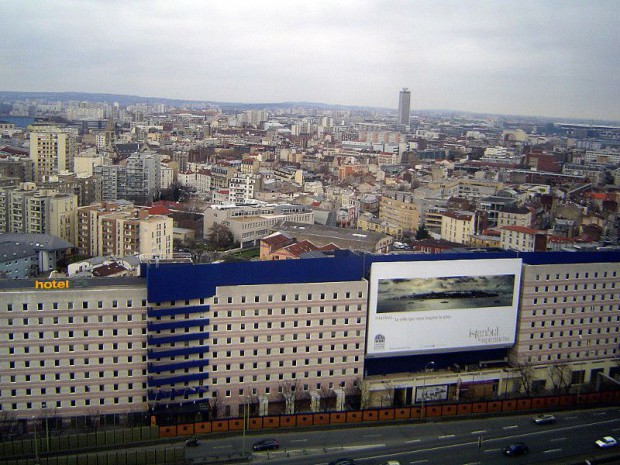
x: 442, y: 293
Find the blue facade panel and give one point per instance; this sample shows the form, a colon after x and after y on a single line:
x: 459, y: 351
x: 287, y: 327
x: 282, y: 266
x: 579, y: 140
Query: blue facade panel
x: 153, y: 354
x: 158, y: 382
x: 155, y: 313
x: 177, y: 366
x: 176, y: 324
x: 153, y: 341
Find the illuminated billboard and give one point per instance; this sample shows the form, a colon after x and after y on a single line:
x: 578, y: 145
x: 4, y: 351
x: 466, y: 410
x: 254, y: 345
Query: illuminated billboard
x: 442, y: 306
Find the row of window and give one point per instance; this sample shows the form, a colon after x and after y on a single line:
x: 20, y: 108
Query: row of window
x: 282, y: 377
x: 84, y: 403
x: 282, y: 363
x: 575, y: 321
x: 285, y: 297
x: 568, y: 356
x: 72, y: 334
x: 283, y: 324
x: 71, y: 305
x: 74, y: 320
x: 577, y: 275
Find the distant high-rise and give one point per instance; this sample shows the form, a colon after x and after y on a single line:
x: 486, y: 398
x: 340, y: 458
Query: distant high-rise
x: 404, y: 106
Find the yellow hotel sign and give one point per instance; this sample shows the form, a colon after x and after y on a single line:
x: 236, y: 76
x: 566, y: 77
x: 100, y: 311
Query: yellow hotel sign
x: 51, y: 284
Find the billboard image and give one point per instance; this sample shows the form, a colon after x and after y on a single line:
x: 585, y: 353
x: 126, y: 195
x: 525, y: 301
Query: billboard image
x: 442, y: 306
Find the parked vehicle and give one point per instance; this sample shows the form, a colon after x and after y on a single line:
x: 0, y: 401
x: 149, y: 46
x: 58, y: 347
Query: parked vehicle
x: 266, y: 444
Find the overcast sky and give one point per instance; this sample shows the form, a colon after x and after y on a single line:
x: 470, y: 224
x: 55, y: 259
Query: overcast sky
x: 544, y: 58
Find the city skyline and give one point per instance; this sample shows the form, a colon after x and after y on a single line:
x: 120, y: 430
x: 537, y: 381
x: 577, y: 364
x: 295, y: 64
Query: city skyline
x: 547, y: 59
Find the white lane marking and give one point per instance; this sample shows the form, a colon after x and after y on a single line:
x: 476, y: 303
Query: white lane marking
x: 446, y: 436
x: 222, y: 447
x: 570, y: 418
x: 510, y: 427
x: 372, y: 435
x: 419, y: 461
x: 299, y: 440
x: 472, y: 463
x: 550, y: 451
x: 479, y: 431
x: 363, y: 446
x: 598, y: 414
x: 616, y: 429
x: 413, y: 440
x: 557, y: 439
x: 491, y: 450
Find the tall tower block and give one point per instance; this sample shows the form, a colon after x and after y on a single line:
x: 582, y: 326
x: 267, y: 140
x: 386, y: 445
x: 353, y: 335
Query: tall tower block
x: 404, y: 106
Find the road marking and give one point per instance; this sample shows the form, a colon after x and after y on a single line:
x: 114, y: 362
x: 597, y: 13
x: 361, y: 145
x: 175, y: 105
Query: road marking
x: 413, y: 440
x: 598, y: 414
x: 363, y: 446
x: 372, y: 435
x: 510, y: 427
x: 616, y: 429
x: 222, y: 447
x: 551, y: 451
x: 299, y: 440
x: 472, y: 463
x: 557, y: 439
x: 490, y: 450
x: 446, y: 436
x: 570, y: 418
x: 479, y: 431
x: 419, y: 461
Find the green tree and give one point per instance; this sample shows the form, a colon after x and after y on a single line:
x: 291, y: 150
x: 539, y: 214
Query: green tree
x: 421, y: 233
x: 220, y: 236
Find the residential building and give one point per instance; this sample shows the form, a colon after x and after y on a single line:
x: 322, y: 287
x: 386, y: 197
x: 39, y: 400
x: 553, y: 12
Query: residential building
x: 120, y: 229
x: 52, y: 151
x: 458, y: 226
x: 523, y: 239
x: 400, y: 210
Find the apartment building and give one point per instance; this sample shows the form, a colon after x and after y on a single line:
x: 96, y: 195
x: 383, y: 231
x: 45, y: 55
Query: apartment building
x: 458, y: 227
x: 26, y: 209
x: 121, y: 229
x: 242, y: 187
x: 52, y: 151
x: 399, y: 209
x: 523, y: 239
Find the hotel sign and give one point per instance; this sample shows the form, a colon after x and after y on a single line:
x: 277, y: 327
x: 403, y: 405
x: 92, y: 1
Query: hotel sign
x: 47, y: 285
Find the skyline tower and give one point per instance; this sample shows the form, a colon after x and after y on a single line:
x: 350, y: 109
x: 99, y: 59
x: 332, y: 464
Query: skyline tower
x: 404, y: 106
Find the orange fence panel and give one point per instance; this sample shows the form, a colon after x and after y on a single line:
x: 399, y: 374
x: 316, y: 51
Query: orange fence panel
x: 185, y: 429
x: 354, y: 417
x: 335, y: 418
x: 271, y: 422
x: 218, y: 426
x: 321, y: 419
x: 402, y: 413
x: 448, y: 410
x: 386, y: 414
x: 479, y: 407
x: 524, y: 404
x: 204, y: 427
x: 463, y: 409
x: 304, y: 420
x: 509, y: 405
x: 167, y: 431
x: 370, y: 415
x: 289, y: 420
x: 567, y: 400
x: 552, y: 401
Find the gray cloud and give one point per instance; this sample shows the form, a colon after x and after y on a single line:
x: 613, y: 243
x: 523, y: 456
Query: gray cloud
x: 552, y: 58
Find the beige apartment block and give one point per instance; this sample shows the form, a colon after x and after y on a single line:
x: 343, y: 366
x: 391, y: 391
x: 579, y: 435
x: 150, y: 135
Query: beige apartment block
x: 399, y: 209
x: 121, y: 230
x: 75, y: 348
x: 458, y: 226
x: 52, y: 151
x: 523, y: 239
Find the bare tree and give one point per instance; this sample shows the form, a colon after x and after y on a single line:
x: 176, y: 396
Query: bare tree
x: 327, y: 399
x: 9, y: 426
x: 215, y: 408
x: 560, y: 376
x: 220, y: 236
x: 290, y: 393
x: 526, y: 375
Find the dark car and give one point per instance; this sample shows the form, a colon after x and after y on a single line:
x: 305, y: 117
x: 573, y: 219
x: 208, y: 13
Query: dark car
x: 518, y: 448
x: 342, y: 462
x: 192, y: 442
x: 266, y: 444
x: 544, y: 419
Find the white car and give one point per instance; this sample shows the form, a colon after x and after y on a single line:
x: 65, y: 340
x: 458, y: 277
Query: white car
x: 606, y: 442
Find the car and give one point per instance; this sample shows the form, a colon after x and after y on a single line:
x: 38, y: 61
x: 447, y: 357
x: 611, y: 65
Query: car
x: 517, y: 448
x: 606, y: 442
x: 266, y: 444
x: 544, y: 419
x: 342, y: 462
x: 192, y: 442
